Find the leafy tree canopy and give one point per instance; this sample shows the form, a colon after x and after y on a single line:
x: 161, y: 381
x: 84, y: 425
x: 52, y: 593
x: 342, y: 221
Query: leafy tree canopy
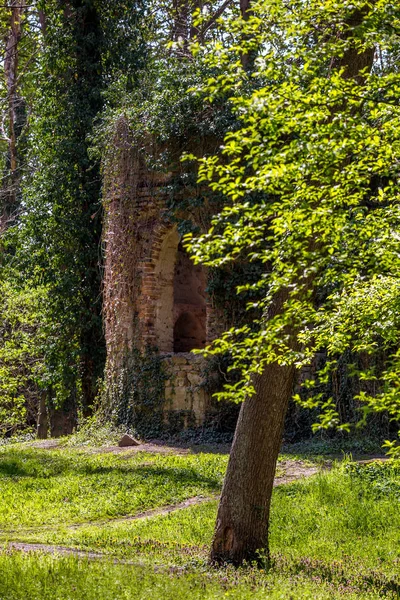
x: 311, y: 182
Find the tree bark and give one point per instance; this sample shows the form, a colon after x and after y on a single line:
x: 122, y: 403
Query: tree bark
x: 11, y: 71
x: 247, y: 58
x: 42, y: 420
x: 63, y: 420
x: 182, y: 17
x: 245, y: 8
x: 243, y: 514
x: 11, y: 61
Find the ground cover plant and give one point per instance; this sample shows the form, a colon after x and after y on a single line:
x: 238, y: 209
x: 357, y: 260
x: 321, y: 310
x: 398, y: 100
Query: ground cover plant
x: 70, y: 578
x: 335, y: 534
x: 60, y: 486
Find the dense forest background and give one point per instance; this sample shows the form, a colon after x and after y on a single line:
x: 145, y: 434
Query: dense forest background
x: 71, y: 71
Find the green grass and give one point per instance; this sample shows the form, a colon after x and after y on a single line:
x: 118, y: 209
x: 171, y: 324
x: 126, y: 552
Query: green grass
x: 335, y: 535
x: 67, y: 578
x: 340, y: 514
x: 338, y: 525
x: 42, y: 487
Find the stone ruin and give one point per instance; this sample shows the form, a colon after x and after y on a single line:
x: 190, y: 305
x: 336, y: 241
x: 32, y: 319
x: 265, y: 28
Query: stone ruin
x: 154, y: 295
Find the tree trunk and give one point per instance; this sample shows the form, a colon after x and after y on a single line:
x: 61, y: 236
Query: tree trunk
x: 42, y: 421
x: 243, y: 514
x: 63, y: 420
x: 11, y: 71
x: 182, y: 17
x: 247, y: 58
x: 11, y: 60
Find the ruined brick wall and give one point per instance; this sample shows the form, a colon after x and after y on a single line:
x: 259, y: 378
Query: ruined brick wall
x: 154, y: 297
x: 134, y: 228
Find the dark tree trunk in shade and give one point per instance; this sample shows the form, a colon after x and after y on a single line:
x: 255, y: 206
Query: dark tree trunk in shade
x: 63, y: 420
x: 13, y: 124
x: 42, y: 420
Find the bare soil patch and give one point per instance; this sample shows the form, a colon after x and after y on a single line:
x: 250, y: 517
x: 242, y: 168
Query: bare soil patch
x: 292, y: 470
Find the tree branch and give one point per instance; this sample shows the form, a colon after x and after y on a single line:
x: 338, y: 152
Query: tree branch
x: 216, y: 16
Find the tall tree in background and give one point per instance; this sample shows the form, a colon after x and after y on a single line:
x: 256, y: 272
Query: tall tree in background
x: 55, y: 251
x: 305, y: 178
x: 62, y: 217
x: 13, y: 111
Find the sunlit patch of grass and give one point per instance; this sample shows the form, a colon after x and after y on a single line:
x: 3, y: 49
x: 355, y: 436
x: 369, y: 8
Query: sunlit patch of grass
x: 67, y: 578
x: 340, y: 514
x: 40, y: 487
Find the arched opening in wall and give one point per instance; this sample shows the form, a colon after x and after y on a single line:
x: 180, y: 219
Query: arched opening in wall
x: 189, y: 304
x: 189, y: 333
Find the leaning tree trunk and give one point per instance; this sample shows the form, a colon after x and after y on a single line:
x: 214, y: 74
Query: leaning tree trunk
x: 241, y: 529
x: 243, y: 513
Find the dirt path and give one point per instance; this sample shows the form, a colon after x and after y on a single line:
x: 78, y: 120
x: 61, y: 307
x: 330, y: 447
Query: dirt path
x: 147, y: 514
x: 287, y: 472
x: 293, y: 470
x: 86, y: 554
x: 49, y: 549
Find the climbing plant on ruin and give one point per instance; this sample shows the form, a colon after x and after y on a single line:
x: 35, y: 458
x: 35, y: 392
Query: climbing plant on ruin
x: 55, y: 249
x: 148, y: 191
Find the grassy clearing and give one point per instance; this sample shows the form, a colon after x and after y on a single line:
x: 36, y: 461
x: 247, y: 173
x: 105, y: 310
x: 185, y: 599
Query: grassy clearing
x: 342, y: 527
x: 334, y: 535
x: 42, y: 487
x: 61, y: 578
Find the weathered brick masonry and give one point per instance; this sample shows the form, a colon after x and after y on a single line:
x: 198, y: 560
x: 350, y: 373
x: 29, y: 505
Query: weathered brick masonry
x: 154, y: 296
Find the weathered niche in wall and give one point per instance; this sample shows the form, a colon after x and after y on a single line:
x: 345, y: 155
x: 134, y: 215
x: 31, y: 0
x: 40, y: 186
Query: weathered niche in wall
x: 180, y: 323
x: 189, y: 304
x: 164, y: 274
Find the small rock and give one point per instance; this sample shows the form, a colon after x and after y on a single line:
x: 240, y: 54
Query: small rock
x: 180, y: 359
x: 127, y: 440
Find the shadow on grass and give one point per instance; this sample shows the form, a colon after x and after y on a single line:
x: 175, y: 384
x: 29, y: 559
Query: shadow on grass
x: 42, y: 465
x: 195, y: 448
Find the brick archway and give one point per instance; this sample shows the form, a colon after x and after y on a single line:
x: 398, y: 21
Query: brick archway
x: 178, y: 296
x: 189, y: 333
x: 189, y: 303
